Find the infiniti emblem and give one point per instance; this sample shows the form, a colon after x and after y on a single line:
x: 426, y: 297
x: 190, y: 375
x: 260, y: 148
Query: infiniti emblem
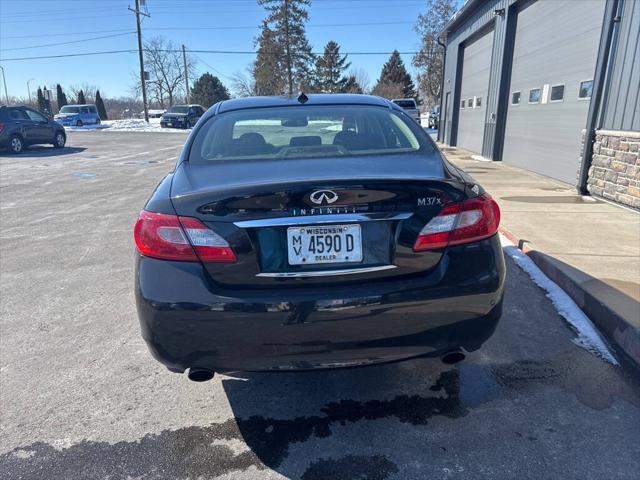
x: 323, y: 196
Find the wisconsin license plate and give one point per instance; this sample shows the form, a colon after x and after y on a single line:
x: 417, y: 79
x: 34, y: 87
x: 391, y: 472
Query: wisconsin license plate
x: 324, y: 244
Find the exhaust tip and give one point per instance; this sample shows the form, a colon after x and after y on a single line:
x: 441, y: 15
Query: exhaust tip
x: 453, y: 357
x: 200, y: 374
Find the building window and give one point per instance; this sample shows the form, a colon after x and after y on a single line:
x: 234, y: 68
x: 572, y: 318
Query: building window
x: 534, y: 95
x: 470, y: 103
x: 515, y: 98
x: 557, y: 93
x: 586, y: 87
x: 478, y: 102
x: 462, y: 103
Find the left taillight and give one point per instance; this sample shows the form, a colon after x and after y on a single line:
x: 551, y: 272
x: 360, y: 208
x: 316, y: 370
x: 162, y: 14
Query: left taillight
x: 460, y: 222
x: 170, y: 237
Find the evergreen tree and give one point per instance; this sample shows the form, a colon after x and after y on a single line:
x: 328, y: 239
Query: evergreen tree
x: 268, y: 75
x: 61, y: 98
x: 351, y: 85
x: 207, y: 90
x: 286, y: 24
x: 81, y: 99
x: 42, y: 106
x: 330, y: 68
x: 102, y: 112
x: 394, y: 79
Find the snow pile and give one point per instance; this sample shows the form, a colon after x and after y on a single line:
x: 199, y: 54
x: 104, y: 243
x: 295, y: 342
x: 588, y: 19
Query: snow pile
x: 87, y: 127
x: 138, y: 125
x: 588, y: 337
x: 128, y: 125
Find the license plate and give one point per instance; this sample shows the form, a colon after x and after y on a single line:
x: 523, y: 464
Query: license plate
x: 324, y: 244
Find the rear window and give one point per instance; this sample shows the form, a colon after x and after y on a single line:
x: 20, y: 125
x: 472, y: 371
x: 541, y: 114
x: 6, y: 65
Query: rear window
x: 405, y: 103
x: 305, y: 132
x: 183, y: 109
x: 68, y: 109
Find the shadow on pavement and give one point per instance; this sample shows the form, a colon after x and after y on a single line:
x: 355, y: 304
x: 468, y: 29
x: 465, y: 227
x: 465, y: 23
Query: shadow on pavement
x: 43, y: 151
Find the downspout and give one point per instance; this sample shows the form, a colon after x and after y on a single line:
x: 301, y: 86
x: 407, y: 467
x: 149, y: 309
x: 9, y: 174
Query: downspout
x: 602, y: 77
x: 442, y: 96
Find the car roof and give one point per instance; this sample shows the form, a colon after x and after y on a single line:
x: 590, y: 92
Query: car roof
x: 312, y: 99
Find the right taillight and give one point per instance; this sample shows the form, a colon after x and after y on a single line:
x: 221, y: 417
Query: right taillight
x: 461, y: 222
x: 170, y: 237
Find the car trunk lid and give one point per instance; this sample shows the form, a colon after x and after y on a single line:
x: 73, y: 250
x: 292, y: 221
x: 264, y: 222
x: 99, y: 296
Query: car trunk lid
x: 379, y: 204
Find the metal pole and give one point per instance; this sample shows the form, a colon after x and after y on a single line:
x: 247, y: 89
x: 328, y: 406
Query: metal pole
x: 29, y: 88
x: 4, y: 80
x: 186, y: 72
x: 141, y: 57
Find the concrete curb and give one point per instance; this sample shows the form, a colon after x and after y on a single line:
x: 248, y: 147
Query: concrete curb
x: 611, y: 311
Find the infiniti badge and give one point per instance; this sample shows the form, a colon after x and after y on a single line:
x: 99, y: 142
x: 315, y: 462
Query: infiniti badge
x: 323, y: 196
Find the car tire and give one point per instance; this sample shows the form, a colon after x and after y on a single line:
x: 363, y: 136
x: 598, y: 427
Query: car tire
x: 79, y: 123
x: 59, y: 140
x: 16, y: 144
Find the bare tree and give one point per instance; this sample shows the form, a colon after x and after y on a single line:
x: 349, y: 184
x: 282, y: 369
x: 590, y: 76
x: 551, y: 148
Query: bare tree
x: 88, y: 89
x: 163, y: 61
x: 428, y: 61
x: 361, y: 77
x: 243, y: 84
x: 388, y: 90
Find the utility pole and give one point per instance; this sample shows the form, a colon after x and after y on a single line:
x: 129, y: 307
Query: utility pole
x: 29, y: 89
x: 287, y: 45
x: 4, y: 80
x: 186, y: 73
x: 142, y: 79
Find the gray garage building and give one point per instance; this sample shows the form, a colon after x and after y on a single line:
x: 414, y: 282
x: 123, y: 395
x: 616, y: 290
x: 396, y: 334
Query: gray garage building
x: 552, y: 86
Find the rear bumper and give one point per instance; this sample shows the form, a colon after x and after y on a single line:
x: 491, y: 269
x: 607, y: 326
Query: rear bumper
x: 187, y: 321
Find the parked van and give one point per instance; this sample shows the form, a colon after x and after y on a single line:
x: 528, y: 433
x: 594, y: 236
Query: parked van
x: 78, y: 115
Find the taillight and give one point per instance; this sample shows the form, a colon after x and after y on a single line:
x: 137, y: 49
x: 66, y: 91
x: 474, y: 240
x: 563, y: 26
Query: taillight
x: 1, y: 127
x: 170, y: 237
x: 463, y: 222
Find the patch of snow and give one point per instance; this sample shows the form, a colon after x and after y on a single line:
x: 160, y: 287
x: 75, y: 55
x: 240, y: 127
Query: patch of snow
x: 139, y: 125
x: 87, y: 127
x: 480, y: 158
x: 588, y: 337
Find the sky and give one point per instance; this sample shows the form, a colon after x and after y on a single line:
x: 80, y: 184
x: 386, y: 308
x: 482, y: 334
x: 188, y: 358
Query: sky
x: 29, y: 27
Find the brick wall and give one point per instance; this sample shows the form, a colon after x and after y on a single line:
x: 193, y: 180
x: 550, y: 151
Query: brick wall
x: 615, y: 167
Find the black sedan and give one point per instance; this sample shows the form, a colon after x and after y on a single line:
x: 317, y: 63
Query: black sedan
x: 316, y: 231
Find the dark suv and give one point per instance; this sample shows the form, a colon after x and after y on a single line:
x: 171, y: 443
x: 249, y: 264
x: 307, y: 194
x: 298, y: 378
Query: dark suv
x: 181, y: 116
x: 23, y: 126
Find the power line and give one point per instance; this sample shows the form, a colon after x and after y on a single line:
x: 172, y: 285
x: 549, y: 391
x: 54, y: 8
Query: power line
x: 212, y: 68
x: 66, y: 43
x: 61, y: 34
x: 227, y: 27
x: 222, y: 52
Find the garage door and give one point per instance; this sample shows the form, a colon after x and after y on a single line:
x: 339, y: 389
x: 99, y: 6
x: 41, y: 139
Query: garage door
x: 555, y: 50
x: 476, y: 66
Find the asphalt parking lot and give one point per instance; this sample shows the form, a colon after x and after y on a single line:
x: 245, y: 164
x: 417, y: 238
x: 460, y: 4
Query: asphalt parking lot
x: 81, y: 398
